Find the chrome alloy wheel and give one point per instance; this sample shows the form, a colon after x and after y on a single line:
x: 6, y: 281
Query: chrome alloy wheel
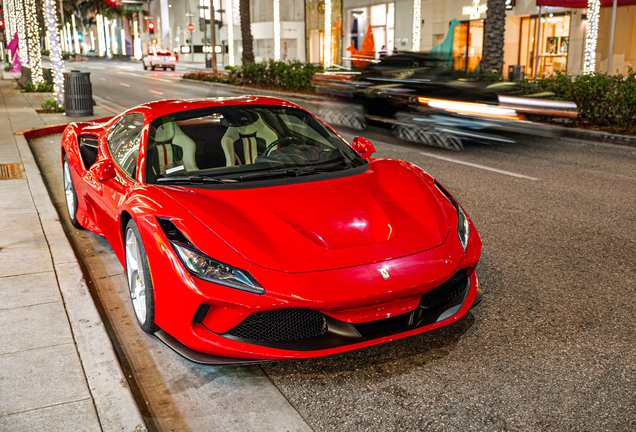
x: 135, y: 272
x: 69, y: 191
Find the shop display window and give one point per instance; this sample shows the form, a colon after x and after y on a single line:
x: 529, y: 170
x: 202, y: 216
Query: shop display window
x: 381, y: 17
x: 553, y: 44
x: 468, y: 45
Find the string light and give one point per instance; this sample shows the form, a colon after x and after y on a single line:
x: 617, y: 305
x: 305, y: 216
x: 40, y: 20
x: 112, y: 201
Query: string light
x: 75, y: 35
x: 55, y: 50
x: 417, y: 24
x: 69, y: 37
x: 113, y: 36
x: 21, y: 26
x: 328, y: 48
x: 10, y: 16
x: 107, y: 36
x: 92, y: 36
x: 230, y: 32
x: 101, y: 43
x: 136, y: 41
x: 591, y: 36
x: 276, y: 29
x: 123, y: 42
x: 33, y: 35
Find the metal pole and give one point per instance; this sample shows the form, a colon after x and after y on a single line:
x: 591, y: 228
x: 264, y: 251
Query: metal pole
x: 205, y: 38
x: 213, y: 35
x: 537, y: 46
x: 611, y: 47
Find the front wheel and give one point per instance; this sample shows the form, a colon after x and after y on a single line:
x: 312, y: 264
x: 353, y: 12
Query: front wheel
x: 139, y: 279
x: 70, y: 194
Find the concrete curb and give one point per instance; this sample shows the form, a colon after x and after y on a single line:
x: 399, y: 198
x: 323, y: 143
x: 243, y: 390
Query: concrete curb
x: 109, y: 388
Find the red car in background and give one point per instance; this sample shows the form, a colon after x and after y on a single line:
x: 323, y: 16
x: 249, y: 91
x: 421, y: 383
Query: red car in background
x: 250, y: 230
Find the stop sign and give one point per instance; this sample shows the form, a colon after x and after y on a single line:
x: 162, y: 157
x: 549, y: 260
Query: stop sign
x: 191, y: 27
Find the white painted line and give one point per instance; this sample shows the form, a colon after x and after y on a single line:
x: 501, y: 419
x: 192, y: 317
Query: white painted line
x: 160, y: 79
x: 157, y: 93
x: 103, y: 79
x: 125, y: 85
x: 479, y: 166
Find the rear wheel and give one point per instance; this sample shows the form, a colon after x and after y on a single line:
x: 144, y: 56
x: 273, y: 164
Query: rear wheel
x: 139, y: 280
x: 172, y: 68
x: 70, y: 194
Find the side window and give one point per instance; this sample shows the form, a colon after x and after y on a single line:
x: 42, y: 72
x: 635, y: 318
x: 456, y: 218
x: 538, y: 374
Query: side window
x: 124, y: 142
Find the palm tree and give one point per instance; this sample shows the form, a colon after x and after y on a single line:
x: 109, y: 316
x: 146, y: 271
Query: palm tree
x: 246, y: 32
x: 494, y: 28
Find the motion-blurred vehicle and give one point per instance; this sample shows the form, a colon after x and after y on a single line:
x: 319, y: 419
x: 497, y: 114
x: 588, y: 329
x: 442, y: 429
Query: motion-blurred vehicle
x: 422, y: 99
x: 161, y: 59
x: 250, y: 230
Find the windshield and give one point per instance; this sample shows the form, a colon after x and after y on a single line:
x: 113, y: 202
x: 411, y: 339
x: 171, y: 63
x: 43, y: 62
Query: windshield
x: 243, y: 143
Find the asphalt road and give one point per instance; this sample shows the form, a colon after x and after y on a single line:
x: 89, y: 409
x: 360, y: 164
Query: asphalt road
x: 553, y: 344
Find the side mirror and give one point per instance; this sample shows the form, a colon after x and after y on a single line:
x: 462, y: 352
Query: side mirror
x: 104, y: 170
x: 364, y: 147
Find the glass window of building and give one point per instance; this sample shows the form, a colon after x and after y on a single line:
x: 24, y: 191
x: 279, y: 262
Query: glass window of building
x: 468, y: 45
x: 553, y: 46
x: 381, y: 17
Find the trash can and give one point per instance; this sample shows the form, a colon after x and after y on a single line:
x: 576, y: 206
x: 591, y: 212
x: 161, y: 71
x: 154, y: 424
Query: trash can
x: 78, y: 94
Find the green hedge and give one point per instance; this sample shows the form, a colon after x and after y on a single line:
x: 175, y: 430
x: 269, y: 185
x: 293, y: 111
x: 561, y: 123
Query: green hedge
x: 293, y: 75
x: 602, y: 100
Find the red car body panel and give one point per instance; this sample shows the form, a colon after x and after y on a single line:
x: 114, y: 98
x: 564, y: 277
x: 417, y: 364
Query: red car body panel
x: 314, y: 244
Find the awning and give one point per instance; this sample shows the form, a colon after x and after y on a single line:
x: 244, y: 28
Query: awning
x: 582, y: 3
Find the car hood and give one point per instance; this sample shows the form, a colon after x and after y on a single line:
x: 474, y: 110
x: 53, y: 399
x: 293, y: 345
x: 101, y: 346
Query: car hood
x: 388, y: 211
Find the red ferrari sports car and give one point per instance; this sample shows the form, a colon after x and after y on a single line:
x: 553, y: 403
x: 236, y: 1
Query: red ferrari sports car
x: 250, y: 230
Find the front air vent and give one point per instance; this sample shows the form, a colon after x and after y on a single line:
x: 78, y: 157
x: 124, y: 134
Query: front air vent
x: 88, y: 145
x: 173, y: 233
x: 281, y: 325
x: 446, y: 292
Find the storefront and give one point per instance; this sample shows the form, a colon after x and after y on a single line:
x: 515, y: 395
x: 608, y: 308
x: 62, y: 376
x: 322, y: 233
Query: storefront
x: 315, y: 27
x: 553, y: 46
x: 468, y: 45
x: 381, y: 17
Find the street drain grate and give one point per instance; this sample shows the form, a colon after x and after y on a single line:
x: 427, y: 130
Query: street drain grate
x: 13, y: 171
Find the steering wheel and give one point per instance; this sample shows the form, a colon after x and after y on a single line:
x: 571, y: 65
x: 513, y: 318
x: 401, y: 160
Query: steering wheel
x: 279, y: 142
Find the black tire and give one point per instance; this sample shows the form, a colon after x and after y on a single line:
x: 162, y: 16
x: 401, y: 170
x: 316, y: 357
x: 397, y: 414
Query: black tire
x: 172, y: 68
x: 148, y: 325
x: 71, y: 209
x: 144, y: 65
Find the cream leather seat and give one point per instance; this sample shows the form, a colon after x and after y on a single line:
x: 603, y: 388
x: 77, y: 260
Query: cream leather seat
x: 167, y: 137
x: 248, y: 136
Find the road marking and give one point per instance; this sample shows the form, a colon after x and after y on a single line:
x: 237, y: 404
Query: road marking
x: 160, y: 79
x: 479, y: 166
x: 125, y: 85
x: 156, y: 92
x: 107, y: 108
x: 103, y: 79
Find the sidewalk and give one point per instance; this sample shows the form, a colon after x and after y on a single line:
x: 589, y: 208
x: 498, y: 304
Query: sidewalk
x: 58, y: 369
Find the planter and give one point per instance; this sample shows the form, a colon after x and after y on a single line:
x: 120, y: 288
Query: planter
x: 11, y: 75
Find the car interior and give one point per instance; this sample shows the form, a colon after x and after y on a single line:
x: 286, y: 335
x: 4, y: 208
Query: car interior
x: 235, y: 137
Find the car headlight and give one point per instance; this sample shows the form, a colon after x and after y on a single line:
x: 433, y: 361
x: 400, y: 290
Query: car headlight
x: 463, y: 226
x: 206, y: 268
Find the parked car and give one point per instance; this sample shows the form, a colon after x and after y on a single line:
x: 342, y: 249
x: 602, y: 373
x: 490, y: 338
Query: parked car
x: 250, y: 230
x: 161, y: 59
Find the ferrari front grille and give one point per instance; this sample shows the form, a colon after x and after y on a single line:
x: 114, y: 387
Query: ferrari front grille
x: 446, y: 292
x: 281, y: 325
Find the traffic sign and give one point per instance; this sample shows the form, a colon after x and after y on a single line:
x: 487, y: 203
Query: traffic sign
x: 190, y: 14
x: 191, y: 27
x: 133, y: 7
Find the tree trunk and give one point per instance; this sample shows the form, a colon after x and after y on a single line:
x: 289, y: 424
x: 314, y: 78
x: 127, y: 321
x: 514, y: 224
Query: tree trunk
x: 246, y: 32
x: 494, y: 28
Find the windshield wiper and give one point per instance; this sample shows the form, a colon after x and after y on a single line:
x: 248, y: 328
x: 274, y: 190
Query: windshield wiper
x: 194, y: 179
x: 295, y: 172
